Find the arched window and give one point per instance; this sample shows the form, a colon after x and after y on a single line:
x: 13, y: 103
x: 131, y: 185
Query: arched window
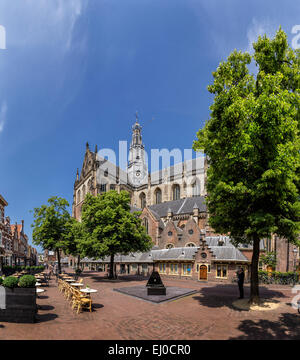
x: 83, y: 192
x: 158, y: 196
x: 190, y: 244
x: 143, y: 200
x: 78, y: 196
x: 146, y: 224
x: 176, y: 192
x: 169, y: 246
x: 196, y: 188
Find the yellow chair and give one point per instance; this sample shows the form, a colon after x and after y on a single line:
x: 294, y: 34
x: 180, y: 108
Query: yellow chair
x: 81, y: 302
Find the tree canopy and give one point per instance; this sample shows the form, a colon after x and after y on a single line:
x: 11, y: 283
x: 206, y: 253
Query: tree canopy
x: 111, y: 227
x: 252, y: 144
x: 50, y: 225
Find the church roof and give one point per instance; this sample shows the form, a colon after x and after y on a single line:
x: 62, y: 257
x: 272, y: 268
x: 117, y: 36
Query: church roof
x: 181, y: 206
x: 227, y: 252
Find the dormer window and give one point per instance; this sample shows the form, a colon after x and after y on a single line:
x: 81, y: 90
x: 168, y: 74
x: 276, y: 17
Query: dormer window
x: 221, y: 242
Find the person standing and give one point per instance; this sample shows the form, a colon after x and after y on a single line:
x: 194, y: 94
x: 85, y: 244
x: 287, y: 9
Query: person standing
x: 241, y: 278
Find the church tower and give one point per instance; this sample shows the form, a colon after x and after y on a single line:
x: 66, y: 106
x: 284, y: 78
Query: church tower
x: 137, y: 167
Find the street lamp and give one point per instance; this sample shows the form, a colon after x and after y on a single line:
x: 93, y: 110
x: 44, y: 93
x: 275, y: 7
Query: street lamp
x: 295, y: 251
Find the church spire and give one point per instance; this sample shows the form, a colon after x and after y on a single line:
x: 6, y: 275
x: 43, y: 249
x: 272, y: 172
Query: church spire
x: 136, y: 133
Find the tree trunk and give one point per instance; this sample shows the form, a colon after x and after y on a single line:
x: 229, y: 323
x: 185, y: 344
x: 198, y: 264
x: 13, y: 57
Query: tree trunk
x: 111, y: 268
x: 78, y: 262
x: 254, y: 287
x: 58, y: 261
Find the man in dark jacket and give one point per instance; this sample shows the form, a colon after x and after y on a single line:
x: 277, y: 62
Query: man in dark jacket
x: 241, y: 277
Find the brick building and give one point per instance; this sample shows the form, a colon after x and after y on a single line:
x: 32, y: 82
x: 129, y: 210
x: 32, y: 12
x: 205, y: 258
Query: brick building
x: 184, y: 246
x: 14, y: 247
x: 172, y: 202
x: 5, y: 236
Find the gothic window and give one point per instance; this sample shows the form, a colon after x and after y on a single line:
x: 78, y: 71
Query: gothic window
x: 106, y: 173
x: 83, y: 192
x: 143, y: 200
x: 112, y: 187
x: 196, y: 188
x: 78, y: 196
x: 102, y: 187
x: 145, y: 223
x: 158, y: 196
x: 176, y: 192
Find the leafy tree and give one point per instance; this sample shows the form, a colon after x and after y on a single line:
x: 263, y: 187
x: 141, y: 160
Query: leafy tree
x: 269, y: 259
x: 50, y: 226
x: 112, y: 228
x: 74, y: 239
x: 252, y: 144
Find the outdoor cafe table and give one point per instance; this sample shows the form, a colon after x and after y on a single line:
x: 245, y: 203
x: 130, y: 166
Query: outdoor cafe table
x: 38, y: 284
x: 88, y: 291
x: 39, y: 291
x: 69, y: 280
x: 77, y: 284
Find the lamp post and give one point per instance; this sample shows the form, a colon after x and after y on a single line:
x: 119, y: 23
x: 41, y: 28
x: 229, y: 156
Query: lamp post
x: 295, y: 251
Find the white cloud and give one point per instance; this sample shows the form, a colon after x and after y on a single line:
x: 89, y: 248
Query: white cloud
x: 35, y: 22
x: 3, y: 112
x: 259, y: 28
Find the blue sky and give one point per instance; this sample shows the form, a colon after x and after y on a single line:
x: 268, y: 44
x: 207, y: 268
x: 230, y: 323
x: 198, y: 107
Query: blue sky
x: 77, y: 70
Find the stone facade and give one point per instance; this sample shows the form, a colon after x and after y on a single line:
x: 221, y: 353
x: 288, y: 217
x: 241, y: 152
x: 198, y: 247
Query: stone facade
x: 186, y: 179
x: 173, y: 211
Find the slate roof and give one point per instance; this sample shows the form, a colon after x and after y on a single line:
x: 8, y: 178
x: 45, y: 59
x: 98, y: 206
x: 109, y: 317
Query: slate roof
x: 134, y: 208
x: 227, y: 252
x: 183, y: 253
x: 214, y: 241
x: 181, y: 206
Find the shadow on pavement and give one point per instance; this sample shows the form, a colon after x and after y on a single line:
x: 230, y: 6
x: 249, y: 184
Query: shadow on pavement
x: 46, y: 307
x: 45, y: 317
x: 224, y: 294
x: 287, y: 327
x: 97, y: 306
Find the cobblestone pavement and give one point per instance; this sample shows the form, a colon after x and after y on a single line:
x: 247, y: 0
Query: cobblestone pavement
x: 207, y: 314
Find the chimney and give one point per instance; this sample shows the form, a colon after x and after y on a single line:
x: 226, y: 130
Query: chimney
x: 22, y: 231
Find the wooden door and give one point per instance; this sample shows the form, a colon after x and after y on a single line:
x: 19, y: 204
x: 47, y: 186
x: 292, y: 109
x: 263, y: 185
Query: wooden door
x: 203, y: 272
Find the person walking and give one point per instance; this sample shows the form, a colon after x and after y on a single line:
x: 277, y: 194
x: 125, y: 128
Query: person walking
x: 241, y: 278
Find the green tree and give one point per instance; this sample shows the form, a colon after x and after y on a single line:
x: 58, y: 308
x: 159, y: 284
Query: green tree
x: 112, y: 229
x: 269, y: 259
x: 50, y: 226
x: 74, y: 239
x: 252, y: 144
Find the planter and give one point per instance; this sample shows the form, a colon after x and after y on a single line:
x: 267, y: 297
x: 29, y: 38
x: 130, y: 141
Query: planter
x: 20, y: 305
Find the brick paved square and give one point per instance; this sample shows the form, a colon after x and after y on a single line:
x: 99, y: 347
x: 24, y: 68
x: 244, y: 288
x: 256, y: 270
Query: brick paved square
x: 205, y: 315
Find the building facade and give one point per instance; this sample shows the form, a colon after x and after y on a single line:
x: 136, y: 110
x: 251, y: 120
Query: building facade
x: 14, y: 247
x: 98, y: 175
x: 173, y: 211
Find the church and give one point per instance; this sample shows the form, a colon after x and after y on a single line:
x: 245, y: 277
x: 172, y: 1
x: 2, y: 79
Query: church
x: 98, y: 175
x: 173, y: 211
